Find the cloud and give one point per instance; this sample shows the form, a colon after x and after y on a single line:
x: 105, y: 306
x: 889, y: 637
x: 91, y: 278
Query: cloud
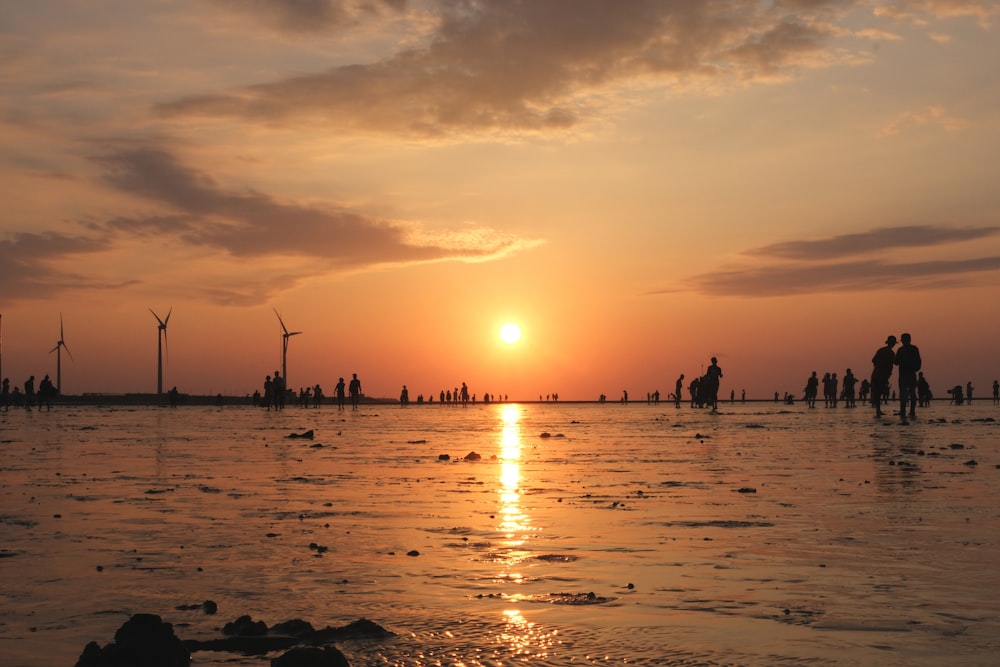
x: 807, y: 269
x: 213, y: 231
x: 914, y: 11
x: 886, y: 238
x: 313, y: 15
x: 495, y: 65
x: 783, y: 280
x: 253, y: 224
x: 29, y: 264
x: 934, y: 116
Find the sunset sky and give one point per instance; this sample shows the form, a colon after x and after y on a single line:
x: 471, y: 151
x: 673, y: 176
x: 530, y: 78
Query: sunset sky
x: 640, y: 185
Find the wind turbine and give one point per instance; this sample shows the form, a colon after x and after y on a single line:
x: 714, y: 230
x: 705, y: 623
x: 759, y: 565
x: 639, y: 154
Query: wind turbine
x: 284, y: 347
x: 60, y: 345
x: 161, y: 346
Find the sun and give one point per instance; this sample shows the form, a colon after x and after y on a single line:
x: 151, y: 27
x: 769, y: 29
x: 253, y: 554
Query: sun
x: 510, y: 333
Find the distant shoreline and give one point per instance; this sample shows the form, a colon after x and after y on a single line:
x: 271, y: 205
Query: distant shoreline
x: 221, y: 400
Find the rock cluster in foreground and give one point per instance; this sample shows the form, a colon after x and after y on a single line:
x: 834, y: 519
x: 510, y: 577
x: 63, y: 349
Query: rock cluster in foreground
x: 145, y: 640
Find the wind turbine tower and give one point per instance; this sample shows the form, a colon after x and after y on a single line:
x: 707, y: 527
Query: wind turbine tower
x: 161, y: 347
x: 285, y: 335
x: 60, y: 346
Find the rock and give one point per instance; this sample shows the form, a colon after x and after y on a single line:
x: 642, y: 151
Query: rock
x: 473, y: 456
x: 308, y: 656
x: 295, y: 627
x: 142, y: 640
x: 92, y: 656
x: 244, y: 626
x: 208, y: 606
x: 444, y: 457
x: 308, y: 435
x: 359, y: 629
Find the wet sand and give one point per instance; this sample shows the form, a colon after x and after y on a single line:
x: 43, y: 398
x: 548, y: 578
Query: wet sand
x: 586, y: 534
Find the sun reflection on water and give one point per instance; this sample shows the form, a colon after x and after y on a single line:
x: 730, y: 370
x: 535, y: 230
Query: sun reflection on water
x: 524, y: 638
x: 514, y: 523
x: 519, y: 635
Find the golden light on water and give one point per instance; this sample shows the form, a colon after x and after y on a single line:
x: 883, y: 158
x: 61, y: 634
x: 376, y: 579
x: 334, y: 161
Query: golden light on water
x: 524, y: 636
x: 513, y: 521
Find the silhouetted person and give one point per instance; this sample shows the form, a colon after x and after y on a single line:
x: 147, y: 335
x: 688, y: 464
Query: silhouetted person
x: 404, y: 397
x: 278, y: 389
x: 465, y: 395
x: 923, y: 391
x: 268, y: 392
x: 29, y: 392
x: 996, y: 392
x: 711, y: 383
x: 811, y: 390
x: 175, y: 396
x: 968, y: 392
x: 678, y: 386
x: 863, y: 390
x: 908, y: 360
x: 339, y: 392
x: 354, y: 389
x: 882, y: 364
x: 849, y: 383
x: 5, y: 394
x: 46, y: 392
x: 826, y: 390
x: 317, y: 396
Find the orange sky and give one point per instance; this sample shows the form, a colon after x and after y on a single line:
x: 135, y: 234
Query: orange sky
x: 639, y: 185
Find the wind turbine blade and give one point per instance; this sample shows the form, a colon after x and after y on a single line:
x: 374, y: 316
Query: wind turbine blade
x: 163, y: 322
x: 281, y: 321
x: 295, y: 333
x: 60, y: 327
x: 55, y: 348
x: 167, y: 318
x: 67, y: 351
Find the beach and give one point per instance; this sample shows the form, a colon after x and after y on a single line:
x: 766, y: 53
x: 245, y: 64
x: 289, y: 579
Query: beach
x: 581, y: 534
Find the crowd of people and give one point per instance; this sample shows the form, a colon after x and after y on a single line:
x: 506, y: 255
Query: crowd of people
x: 28, y: 398
x: 913, y: 388
x: 276, y: 395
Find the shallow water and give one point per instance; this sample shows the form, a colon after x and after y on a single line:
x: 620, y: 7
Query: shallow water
x: 639, y: 534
